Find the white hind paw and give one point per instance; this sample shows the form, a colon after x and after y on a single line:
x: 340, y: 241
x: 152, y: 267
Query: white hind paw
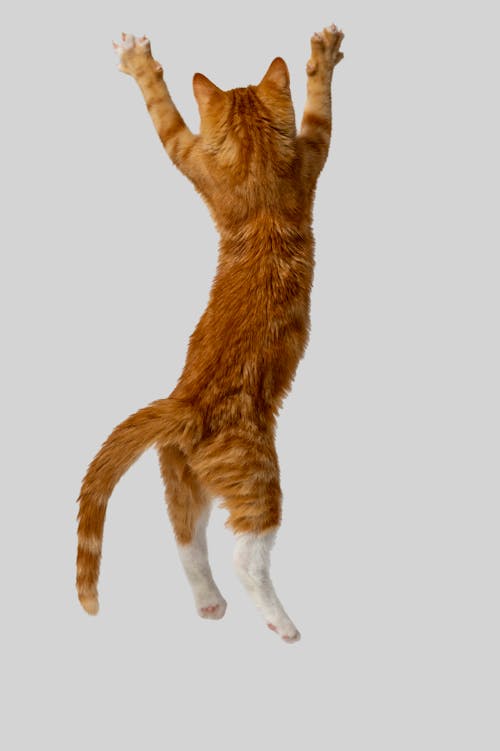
x: 213, y: 612
x: 286, y: 630
x: 214, y: 609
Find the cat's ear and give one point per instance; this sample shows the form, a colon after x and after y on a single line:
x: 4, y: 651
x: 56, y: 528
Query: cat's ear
x: 277, y: 74
x: 204, y: 90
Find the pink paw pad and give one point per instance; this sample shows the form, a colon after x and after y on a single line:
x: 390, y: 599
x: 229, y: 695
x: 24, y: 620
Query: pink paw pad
x: 288, y: 638
x: 213, y: 612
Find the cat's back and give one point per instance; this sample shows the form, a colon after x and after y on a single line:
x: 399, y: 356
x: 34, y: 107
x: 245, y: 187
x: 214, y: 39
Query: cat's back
x: 255, y: 327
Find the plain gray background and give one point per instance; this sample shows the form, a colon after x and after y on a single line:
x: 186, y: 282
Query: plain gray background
x: 388, y: 555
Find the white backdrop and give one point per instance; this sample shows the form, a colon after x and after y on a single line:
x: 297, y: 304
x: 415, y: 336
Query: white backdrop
x: 388, y: 555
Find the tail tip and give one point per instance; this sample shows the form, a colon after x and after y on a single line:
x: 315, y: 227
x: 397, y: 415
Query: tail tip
x: 90, y: 603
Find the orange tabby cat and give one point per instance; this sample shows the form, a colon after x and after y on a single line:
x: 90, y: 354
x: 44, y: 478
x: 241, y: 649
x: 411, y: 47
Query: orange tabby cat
x: 215, y: 432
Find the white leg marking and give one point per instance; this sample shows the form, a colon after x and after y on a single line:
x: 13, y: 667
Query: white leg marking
x: 194, y: 558
x: 252, y: 558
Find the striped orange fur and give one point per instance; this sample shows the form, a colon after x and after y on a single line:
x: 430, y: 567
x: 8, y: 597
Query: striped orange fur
x: 215, y: 433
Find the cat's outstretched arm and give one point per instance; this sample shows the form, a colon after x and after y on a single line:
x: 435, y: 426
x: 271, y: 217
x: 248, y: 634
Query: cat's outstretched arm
x: 316, y: 125
x: 178, y: 141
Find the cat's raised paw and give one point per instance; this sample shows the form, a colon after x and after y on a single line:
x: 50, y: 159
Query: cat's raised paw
x: 134, y: 54
x: 325, y: 50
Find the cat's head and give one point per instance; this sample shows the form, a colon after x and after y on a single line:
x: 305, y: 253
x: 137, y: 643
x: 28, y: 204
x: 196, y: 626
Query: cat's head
x: 247, y: 128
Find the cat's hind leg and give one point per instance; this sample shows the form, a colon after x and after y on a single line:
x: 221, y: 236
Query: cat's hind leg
x: 243, y: 469
x: 189, y: 510
x: 252, y: 559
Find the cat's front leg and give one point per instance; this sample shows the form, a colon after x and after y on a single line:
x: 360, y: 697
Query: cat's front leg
x: 317, y: 119
x: 136, y: 60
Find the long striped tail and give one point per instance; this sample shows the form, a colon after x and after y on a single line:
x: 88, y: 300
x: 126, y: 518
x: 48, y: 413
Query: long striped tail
x: 161, y: 422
